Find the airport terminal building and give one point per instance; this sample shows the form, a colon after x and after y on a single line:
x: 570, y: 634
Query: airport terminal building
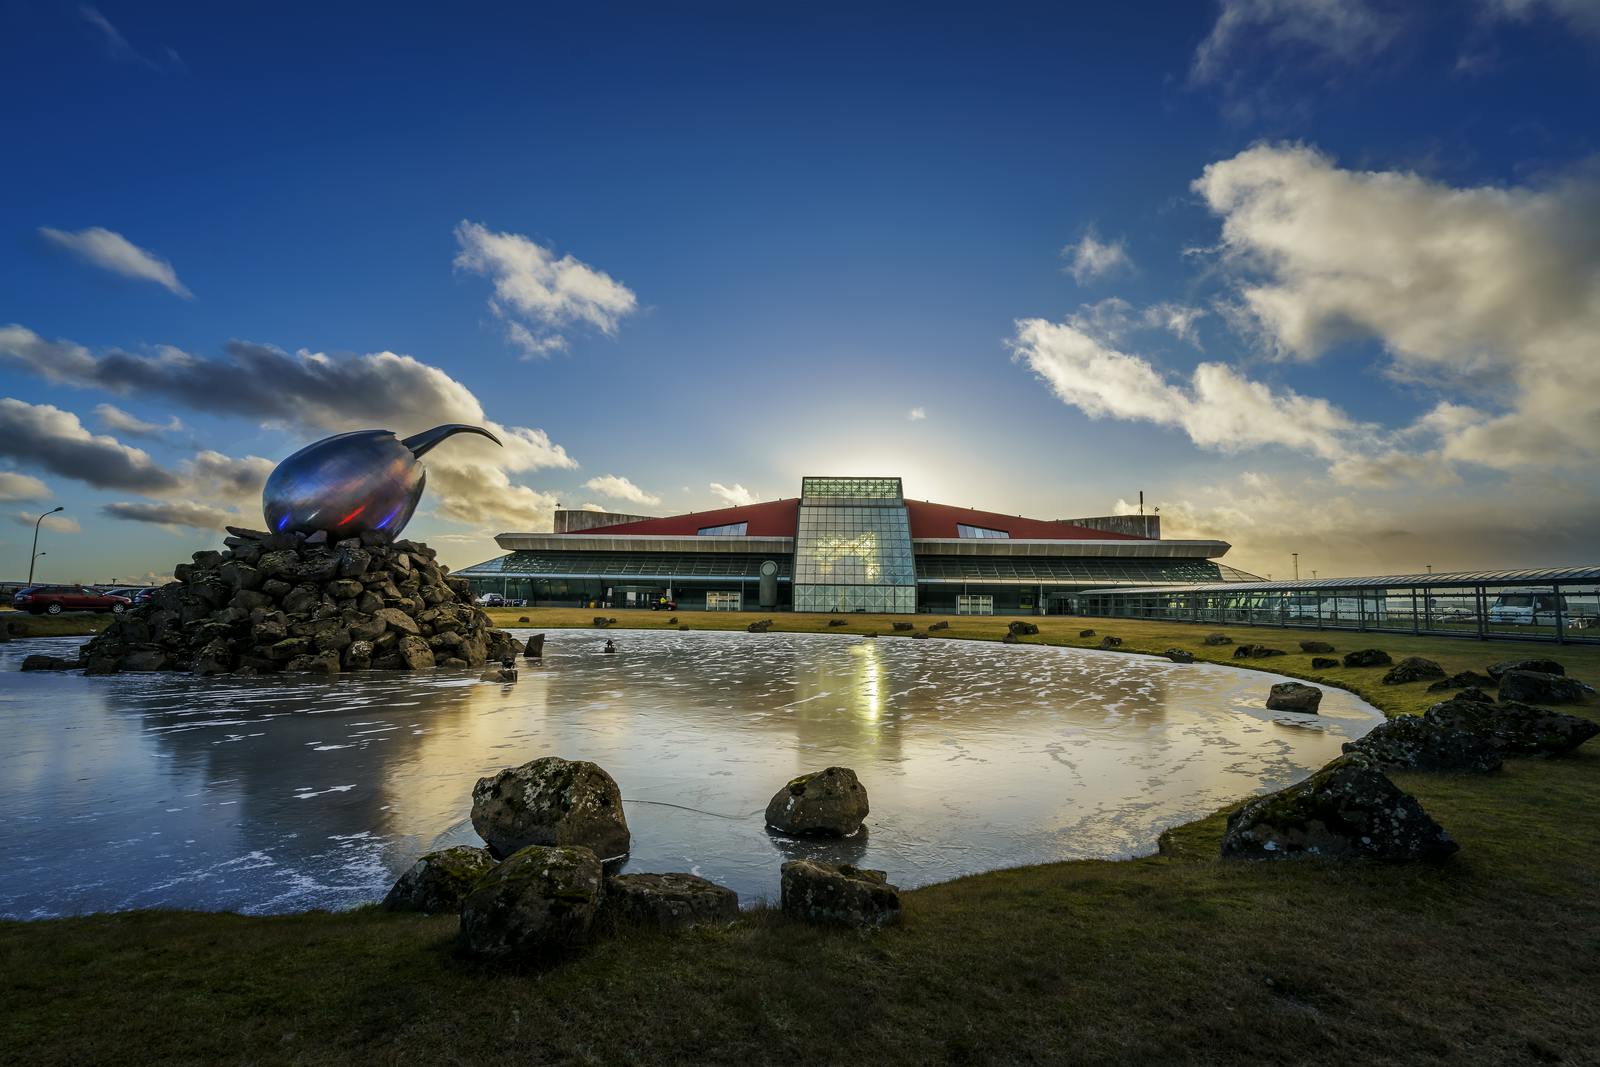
x: 843, y: 545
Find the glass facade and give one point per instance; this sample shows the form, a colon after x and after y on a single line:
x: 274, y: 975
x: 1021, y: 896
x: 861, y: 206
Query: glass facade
x: 964, y: 530
x: 732, y: 529
x: 853, y: 547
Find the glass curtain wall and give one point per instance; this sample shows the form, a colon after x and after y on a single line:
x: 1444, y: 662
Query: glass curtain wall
x: 853, y: 547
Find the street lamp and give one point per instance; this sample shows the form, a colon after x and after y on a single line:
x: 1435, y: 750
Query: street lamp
x: 35, y: 555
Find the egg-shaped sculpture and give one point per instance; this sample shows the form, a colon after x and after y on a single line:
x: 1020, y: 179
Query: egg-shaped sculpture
x: 354, y: 482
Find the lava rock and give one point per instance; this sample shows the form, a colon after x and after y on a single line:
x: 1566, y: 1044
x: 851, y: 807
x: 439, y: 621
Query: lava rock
x: 1179, y: 655
x: 538, y: 904
x: 942, y: 624
x: 1532, y: 687
x: 667, y: 901
x: 1413, y: 743
x: 1085, y: 633
x: 1462, y: 680
x: 904, y: 626
x: 1008, y: 639
x: 1367, y: 657
x: 825, y: 803
x: 761, y: 626
x: 1216, y: 639
x: 551, y: 801
x: 1348, y: 809
x: 838, y: 622
x: 1413, y: 669
x: 38, y: 662
x: 1294, y: 696
x: 439, y: 881
x: 1110, y: 642
x: 1322, y: 663
x: 1514, y: 729
x: 1315, y: 646
x: 1020, y: 628
x: 534, y: 648
x: 1256, y: 652
x: 1538, y: 666
x: 831, y: 895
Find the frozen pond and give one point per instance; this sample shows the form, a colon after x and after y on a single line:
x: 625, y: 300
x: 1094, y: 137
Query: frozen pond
x: 277, y: 794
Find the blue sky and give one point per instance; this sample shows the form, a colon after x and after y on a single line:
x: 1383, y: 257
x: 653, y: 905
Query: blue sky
x: 1318, y: 277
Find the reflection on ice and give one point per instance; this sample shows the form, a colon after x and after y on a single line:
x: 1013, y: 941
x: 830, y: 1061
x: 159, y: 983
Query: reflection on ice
x: 279, y: 794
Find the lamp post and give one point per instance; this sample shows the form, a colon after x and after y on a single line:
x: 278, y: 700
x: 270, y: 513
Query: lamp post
x: 1296, y: 556
x: 35, y: 554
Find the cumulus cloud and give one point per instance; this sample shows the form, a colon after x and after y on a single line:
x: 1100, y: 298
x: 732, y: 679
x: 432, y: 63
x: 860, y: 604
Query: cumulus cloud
x: 733, y: 495
x: 14, y: 486
x: 1092, y: 258
x: 1329, y: 31
x: 619, y: 488
x: 111, y: 251
x: 1217, y: 407
x: 59, y: 523
x: 171, y: 514
x: 468, y: 477
x: 1488, y: 289
x: 536, y: 294
x: 54, y: 439
x: 916, y: 415
x: 114, y: 418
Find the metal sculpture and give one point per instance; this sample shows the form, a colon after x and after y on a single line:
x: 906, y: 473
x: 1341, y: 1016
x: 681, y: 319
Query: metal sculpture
x: 352, y: 483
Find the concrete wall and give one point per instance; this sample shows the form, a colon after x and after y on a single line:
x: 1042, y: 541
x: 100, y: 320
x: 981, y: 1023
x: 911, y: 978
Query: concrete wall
x: 1137, y: 525
x: 570, y: 521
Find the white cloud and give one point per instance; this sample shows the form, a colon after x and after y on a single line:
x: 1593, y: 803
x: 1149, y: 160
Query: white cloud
x: 1114, y: 318
x: 732, y: 495
x: 1092, y: 258
x: 619, y: 488
x: 592, y: 507
x: 14, y: 486
x: 59, y: 523
x: 1493, y: 290
x: 1217, y: 408
x: 1583, y: 15
x: 1326, y: 31
x: 537, y: 294
x: 113, y: 252
x: 116, y: 419
x: 916, y: 415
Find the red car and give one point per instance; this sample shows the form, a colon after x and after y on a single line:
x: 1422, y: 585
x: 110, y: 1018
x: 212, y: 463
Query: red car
x: 54, y: 599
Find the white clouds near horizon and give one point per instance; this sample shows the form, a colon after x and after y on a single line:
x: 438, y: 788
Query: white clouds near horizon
x: 111, y: 251
x: 732, y: 496
x: 620, y: 488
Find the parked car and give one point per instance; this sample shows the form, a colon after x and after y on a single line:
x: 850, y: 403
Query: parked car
x: 54, y: 599
x: 495, y: 600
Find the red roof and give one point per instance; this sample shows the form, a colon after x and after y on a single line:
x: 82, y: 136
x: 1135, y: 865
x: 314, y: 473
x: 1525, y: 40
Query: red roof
x: 775, y: 518
x: 781, y: 518
x: 940, y: 520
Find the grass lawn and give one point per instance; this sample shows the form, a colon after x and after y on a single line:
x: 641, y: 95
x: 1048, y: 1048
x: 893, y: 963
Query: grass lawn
x: 1493, y: 957
x: 67, y: 624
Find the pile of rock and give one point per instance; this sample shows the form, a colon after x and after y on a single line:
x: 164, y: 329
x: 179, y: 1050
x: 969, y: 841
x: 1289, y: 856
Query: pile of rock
x: 288, y: 602
x: 1471, y: 732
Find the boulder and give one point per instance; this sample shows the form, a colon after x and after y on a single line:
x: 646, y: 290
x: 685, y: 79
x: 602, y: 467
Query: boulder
x: 439, y: 881
x: 39, y: 662
x: 1086, y: 633
x: 326, y: 663
x: 826, y: 803
x: 1538, y: 666
x: 535, y: 647
x: 551, y: 801
x: 415, y: 654
x: 838, y: 622
x: 1179, y: 655
x: 1256, y: 652
x: 1412, y: 743
x: 1110, y: 642
x: 942, y: 624
x: 1294, y: 696
x: 1347, y: 809
x: 826, y: 894
x: 1462, y: 680
x: 1322, y: 663
x: 1216, y: 639
x: 1532, y: 687
x: 761, y: 626
x: 1514, y: 729
x: 149, y: 659
x: 1367, y: 657
x: 1315, y: 646
x: 1021, y: 628
x: 904, y: 626
x: 1008, y: 639
x: 1413, y: 669
x: 667, y: 901
x: 538, y: 904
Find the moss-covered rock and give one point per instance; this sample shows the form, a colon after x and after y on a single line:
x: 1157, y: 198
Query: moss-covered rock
x: 1294, y: 696
x: 832, y: 895
x: 551, y: 801
x: 1539, y: 666
x: 440, y: 881
x: 667, y: 901
x: 1315, y: 646
x: 1535, y: 687
x: 1515, y: 729
x: 540, y: 903
x: 825, y: 803
x: 1348, y: 809
x: 1412, y: 743
x: 1413, y: 669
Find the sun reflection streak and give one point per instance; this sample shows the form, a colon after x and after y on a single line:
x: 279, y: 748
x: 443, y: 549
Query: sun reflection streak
x: 871, y: 684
